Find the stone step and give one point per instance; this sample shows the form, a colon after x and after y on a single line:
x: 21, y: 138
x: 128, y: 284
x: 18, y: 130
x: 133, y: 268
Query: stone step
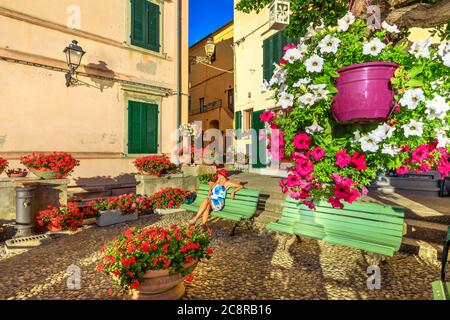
x: 426, y: 231
x: 427, y: 250
x: 406, y: 183
x: 432, y: 192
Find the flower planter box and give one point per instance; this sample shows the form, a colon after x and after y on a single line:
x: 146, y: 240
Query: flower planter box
x: 160, y: 285
x: 168, y: 211
x: 108, y: 218
x: 364, y: 93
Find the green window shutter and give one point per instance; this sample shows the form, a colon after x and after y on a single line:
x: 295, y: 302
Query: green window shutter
x: 238, y: 120
x: 267, y: 59
x: 152, y: 128
x: 134, y: 127
x: 142, y: 128
x: 153, y: 16
x: 138, y: 22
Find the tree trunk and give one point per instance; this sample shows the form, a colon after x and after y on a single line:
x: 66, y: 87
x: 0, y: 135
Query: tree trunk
x: 407, y: 13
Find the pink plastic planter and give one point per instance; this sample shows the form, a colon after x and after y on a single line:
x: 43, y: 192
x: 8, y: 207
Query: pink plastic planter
x: 364, y: 93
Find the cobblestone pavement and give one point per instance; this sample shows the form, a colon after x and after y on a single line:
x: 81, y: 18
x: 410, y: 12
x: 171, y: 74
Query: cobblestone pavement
x: 250, y: 265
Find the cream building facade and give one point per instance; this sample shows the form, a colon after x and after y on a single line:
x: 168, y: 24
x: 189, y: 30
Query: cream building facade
x: 132, y: 90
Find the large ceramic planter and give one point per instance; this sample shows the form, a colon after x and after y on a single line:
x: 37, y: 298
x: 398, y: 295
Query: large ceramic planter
x: 46, y: 175
x: 364, y: 93
x: 109, y: 218
x: 160, y: 285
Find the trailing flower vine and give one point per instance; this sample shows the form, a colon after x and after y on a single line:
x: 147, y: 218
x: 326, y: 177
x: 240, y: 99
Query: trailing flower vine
x: 335, y: 161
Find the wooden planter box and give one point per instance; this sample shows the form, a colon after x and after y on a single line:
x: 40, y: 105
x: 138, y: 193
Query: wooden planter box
x: 109, y: 218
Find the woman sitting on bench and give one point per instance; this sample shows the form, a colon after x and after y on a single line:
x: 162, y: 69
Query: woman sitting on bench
x: 215, y: 200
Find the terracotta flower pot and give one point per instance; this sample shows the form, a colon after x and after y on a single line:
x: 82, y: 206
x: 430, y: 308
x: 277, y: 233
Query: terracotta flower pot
x: 54, y: 229
x: 46, y: 175
x: 159, y: 285
x: 364, y: 93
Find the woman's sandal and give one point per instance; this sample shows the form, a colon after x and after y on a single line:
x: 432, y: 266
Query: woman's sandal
x: 203, y: 227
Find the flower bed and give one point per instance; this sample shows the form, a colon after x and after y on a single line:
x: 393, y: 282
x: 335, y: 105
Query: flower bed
x: 168, y: 198
x: 127, y: 204
x: 336, y: 161
x: 3, y: 164
x: 128, y: 257
x: 58, y: 164
x: 155, y: 165
x: 59, y: 219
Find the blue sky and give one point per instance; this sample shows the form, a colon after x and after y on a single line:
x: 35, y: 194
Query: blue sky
x: 205, y: 16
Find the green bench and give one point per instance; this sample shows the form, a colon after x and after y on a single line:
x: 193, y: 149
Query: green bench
x: 370, y: 227
x: 441, y: 289
x: 242, y: 208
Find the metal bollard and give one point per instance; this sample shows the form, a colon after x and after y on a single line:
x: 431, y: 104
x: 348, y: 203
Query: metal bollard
x: 24, y: 212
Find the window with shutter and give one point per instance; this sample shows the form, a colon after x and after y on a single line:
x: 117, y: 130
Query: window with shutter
x: 145, y: 25
x: 142, y: 128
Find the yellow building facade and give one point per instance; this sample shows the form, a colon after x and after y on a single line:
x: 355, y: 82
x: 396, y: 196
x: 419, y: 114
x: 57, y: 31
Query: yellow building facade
x: 132, y: 83
x: 211, y: 86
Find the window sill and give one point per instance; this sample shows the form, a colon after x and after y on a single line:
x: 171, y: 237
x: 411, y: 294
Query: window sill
x: 129, y: 46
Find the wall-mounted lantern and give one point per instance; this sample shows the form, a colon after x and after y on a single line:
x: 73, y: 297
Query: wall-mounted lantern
x: 74, y: 54
x: 279, y: 14
x: 210, y: 50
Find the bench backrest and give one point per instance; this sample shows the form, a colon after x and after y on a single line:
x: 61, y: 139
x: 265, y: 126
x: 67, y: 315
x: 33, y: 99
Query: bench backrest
x: 244, y: 198
x: 359, y: 220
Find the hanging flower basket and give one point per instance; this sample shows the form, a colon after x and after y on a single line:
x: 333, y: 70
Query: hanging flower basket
x: 364, y: 93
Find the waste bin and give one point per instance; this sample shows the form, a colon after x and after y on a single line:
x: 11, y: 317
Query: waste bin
x: 24, y: 212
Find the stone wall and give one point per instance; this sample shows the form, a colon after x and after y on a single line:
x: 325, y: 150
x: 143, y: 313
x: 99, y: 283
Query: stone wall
x: 48, y: 192
x: 149, y: 185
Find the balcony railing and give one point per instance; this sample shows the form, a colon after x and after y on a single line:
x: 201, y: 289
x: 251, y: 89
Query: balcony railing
x: 207, y: 107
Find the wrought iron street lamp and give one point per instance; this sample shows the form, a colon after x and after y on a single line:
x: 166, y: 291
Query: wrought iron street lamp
x: 74, y: 54
x: 210, y: 49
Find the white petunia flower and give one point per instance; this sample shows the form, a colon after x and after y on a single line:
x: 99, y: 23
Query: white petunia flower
x: 390, y: 28
x: 412, y: 98
x: 314, y: 128
x: 374, y: 47
x: 384, y: 131
x: 444, y: 48
x: 442, y: 138
x: 437, y: 107
x: 421, y: 49
x: 285, y: 100
x: 345, y: 22
x: 292, y: 55
x: 303, y: 48
x: 317, y: 87
x: 329, y: 44
x: 413, y: 128
x: 308, y: 99
x: 446, y: 60
x: 301, y: 82
x: 369, y: 143
x: 322, y: 94
x: 390, y: 149
x: 265, y: 86
x: 314, y: 64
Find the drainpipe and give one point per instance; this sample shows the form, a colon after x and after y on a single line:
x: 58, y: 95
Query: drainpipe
x: 179, y: 70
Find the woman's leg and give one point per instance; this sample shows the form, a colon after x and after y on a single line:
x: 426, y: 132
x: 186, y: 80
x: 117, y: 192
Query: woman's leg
x: 206, y: 214
x: 205, y: 204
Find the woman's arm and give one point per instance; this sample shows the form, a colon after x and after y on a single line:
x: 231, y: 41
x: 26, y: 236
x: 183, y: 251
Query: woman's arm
x: 236, y: 186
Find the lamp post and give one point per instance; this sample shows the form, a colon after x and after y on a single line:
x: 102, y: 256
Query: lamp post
x: 74, y: 54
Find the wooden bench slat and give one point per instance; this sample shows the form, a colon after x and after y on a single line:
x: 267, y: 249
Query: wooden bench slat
x: 324, y: 218
x: 441, y: 290
x: 369, y: 207
x: 366, y: 226
x: 349, y: 213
